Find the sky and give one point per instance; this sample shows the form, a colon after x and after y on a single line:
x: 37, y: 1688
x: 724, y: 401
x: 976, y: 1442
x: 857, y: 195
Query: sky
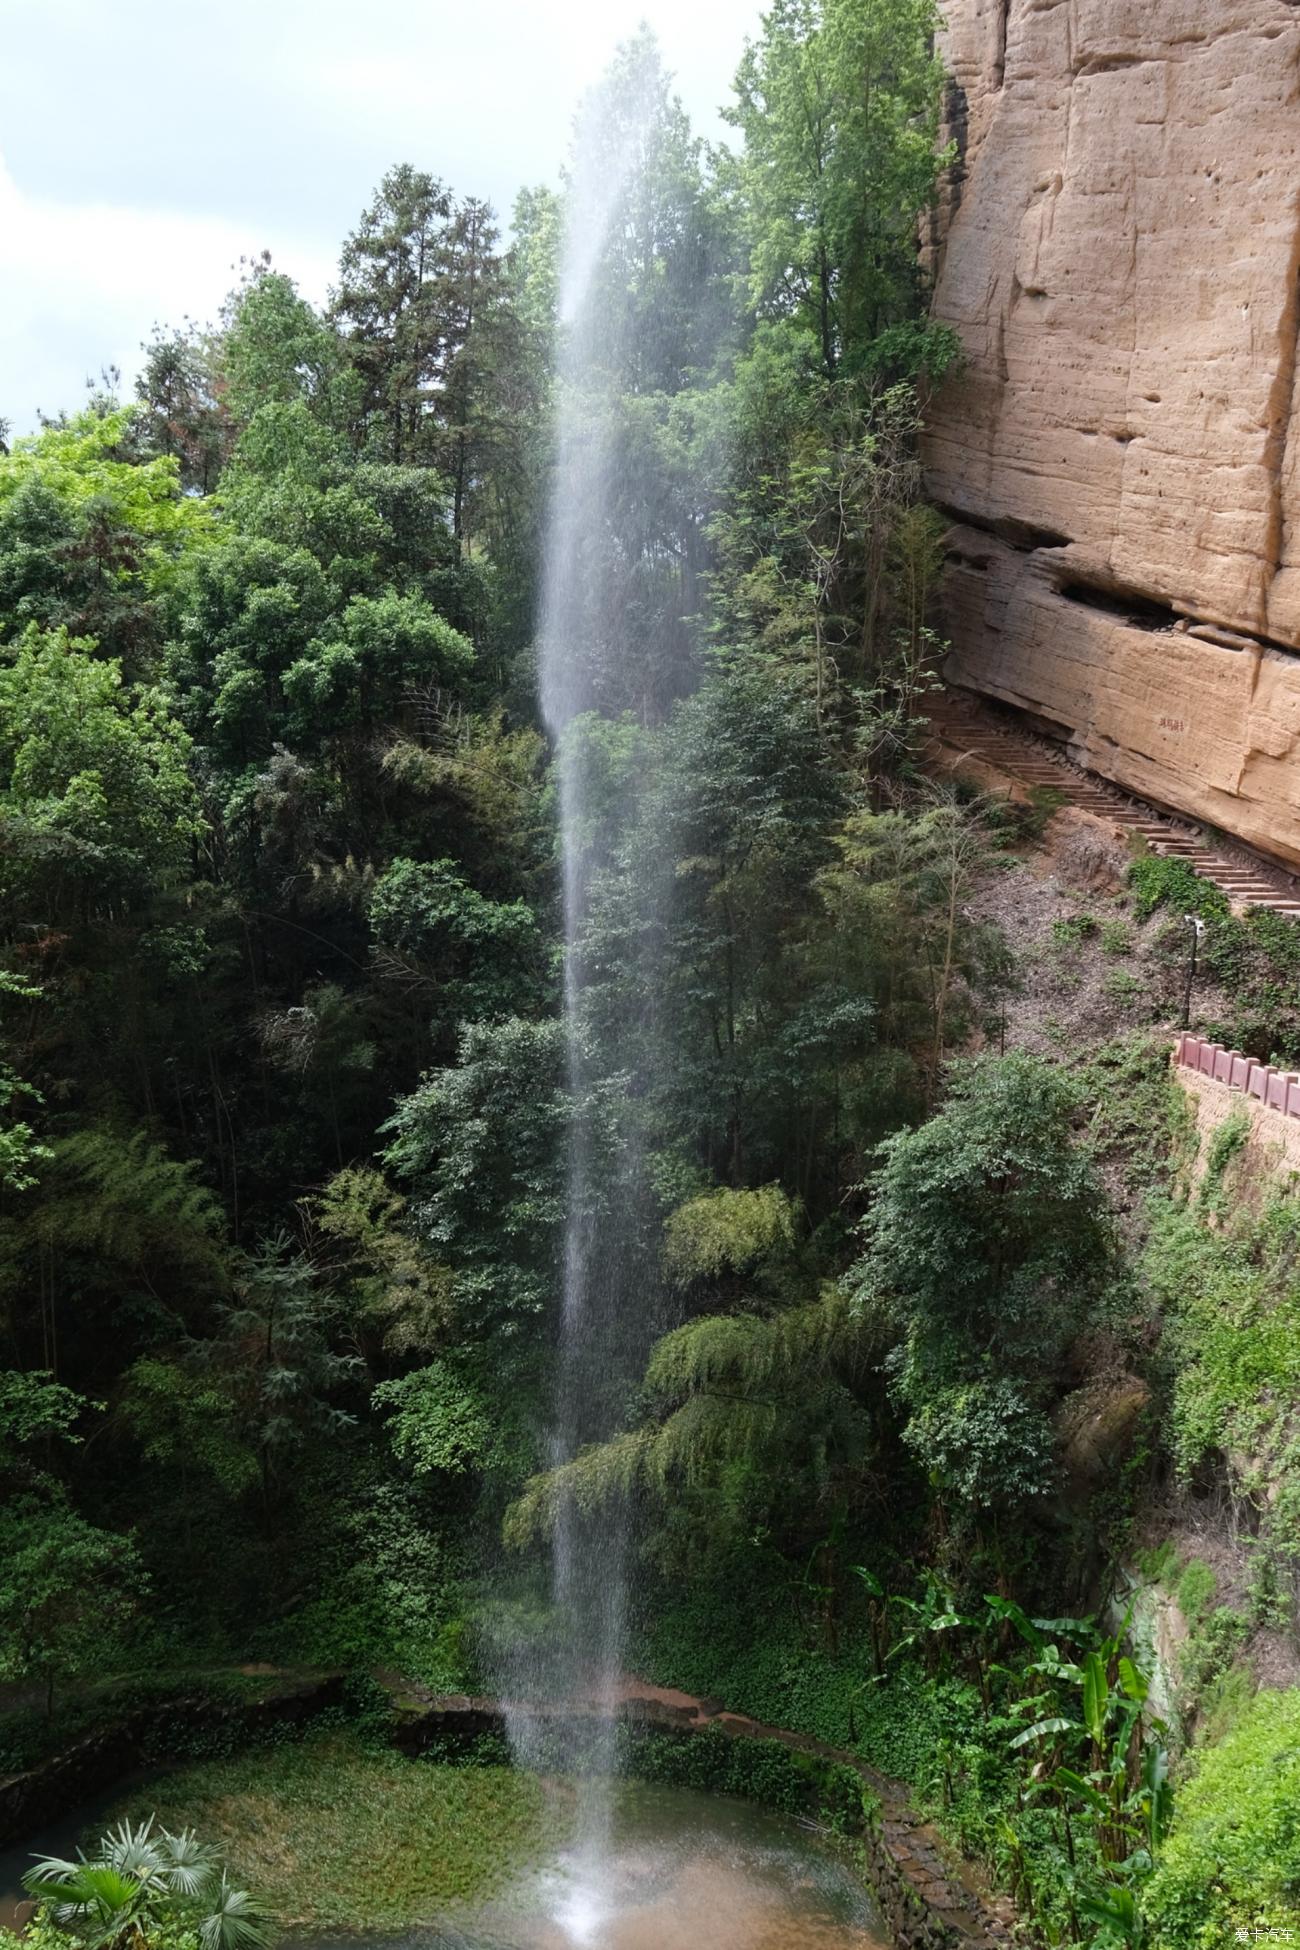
x: 147, y: 145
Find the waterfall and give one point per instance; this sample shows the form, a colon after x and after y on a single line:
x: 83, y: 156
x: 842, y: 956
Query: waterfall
x: 614, y: 649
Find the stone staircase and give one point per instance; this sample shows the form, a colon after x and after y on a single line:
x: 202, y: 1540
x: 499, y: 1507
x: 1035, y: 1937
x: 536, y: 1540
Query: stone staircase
x: 972, y: 728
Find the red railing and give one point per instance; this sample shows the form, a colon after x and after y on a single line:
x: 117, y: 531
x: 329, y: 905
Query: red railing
x: 1279, y: 1089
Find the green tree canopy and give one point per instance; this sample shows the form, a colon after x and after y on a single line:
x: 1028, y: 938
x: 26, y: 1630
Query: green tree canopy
x: 986, y: 1246
x: 96, y: 798
x: 837, y: 102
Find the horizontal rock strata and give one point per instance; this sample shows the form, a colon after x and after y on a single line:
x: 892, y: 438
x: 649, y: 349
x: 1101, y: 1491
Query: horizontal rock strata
x: 1121, y: 258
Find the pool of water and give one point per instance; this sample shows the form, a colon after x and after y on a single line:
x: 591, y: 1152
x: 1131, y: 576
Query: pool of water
x: 682, y: 1871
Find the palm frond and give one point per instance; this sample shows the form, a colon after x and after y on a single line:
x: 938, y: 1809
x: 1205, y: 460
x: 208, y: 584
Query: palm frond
x: 89, y: 1897
x: 49, y: 1868
x: 189, y: 1866
x: 132, y: 1851
x: 236, y: 1920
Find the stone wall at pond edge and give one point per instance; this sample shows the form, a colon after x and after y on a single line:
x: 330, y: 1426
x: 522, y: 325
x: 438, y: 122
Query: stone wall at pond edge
x: 150, y: 1732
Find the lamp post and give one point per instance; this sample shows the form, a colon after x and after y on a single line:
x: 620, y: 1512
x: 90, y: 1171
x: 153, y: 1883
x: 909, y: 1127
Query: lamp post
x: 1196, y: 928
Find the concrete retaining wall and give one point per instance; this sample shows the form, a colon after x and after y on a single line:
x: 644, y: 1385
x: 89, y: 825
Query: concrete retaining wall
x: 1276, y: 1089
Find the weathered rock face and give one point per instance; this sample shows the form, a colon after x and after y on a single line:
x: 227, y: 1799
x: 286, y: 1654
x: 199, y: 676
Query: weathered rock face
x: 1120, y: 254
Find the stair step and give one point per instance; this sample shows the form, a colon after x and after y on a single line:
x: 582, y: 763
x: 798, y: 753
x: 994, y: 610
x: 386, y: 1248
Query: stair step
x: 1002, y: 746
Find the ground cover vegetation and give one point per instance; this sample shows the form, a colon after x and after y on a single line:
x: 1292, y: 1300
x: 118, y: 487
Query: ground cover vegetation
x: 319, y: 1826
x: 284, y: 1103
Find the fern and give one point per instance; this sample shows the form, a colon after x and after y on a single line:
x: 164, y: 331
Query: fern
x: 126, y: 1201
x: 749, y: 1352
x: 745, y: 1388
x: 726, y: 1231
x: 391, y: 1277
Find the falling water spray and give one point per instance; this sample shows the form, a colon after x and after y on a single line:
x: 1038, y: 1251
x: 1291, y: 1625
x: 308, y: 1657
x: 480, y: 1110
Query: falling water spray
x: 589, y: 1585
x: 592, y: 646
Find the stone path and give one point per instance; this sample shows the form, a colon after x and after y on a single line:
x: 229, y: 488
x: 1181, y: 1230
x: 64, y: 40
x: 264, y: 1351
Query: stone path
x: 969, y: 726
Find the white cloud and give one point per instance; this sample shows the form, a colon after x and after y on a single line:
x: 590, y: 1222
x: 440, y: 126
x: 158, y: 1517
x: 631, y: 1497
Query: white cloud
x: 82, y: 284
x: 499, y: 82
x: 150, y: 145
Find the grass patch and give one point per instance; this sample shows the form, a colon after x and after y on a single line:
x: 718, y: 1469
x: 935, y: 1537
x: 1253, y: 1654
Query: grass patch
x: 334, y: 1834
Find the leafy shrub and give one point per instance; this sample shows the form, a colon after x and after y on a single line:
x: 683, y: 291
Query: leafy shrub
x: 984, y: 1438
x: 758, y: 1659
x: 1211, y: 1647
x: 1233, y: 1327
x: 1231, y: 1298
x: 1228, y: 1140
x: 1232, y: 1861
x: 756, y: 1770
x: 437, y: 1423
x: 1122, y: 986
x: 1255, y: 960
x: 41, y: 1933
x: 1196, y: 1589
x: 1226, y: 1697
x: 1160, y: 880
x: 485, y: 958
x: 1158, y: 1563
x: 986, y: 1247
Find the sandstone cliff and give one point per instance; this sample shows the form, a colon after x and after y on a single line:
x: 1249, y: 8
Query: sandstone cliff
x: 1120, y: 254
